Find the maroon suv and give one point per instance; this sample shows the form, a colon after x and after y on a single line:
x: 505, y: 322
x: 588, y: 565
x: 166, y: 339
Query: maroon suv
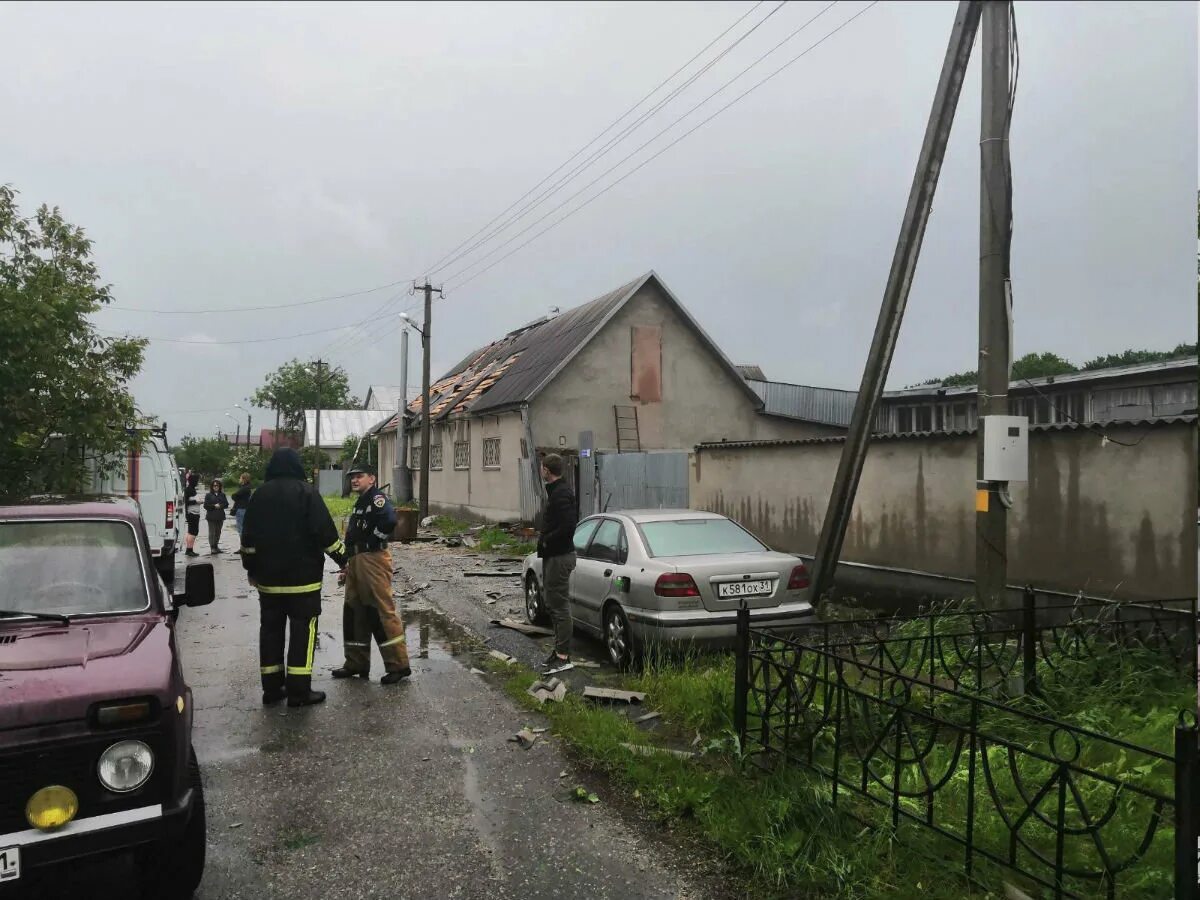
x: 95, y: 717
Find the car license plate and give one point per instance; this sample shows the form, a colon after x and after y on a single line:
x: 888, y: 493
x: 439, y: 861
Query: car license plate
x: 10, y: 863
x: 744, y: 589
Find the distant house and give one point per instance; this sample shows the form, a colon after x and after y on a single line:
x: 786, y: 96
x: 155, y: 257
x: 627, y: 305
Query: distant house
x: 337, y: 425
x: 1121, y: 394
x: 633, y: 367
x: 383, y: 397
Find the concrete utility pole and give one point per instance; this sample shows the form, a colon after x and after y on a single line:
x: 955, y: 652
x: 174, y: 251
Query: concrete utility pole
x: 895, y: 295
x: 425, y: 418
x: 404, y: 488
x: 320, y: 384
x: 995, y: 314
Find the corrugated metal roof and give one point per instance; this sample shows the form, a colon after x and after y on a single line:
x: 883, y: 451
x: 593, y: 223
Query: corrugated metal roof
x: 339, y: 424
x: 812, y: 404
x: 751, y: 373
x: 1168, y: 365
x: 966, y: 432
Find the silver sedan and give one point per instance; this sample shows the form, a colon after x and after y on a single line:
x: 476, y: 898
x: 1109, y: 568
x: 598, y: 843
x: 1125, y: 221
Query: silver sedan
x: 674, y: 576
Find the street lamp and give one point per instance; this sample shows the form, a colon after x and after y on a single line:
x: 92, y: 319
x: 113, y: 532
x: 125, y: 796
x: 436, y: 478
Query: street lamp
x: 425, y: 420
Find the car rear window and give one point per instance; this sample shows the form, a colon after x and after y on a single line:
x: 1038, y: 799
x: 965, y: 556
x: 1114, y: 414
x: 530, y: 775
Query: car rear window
x: 70, y: 568
x: 698, y: 537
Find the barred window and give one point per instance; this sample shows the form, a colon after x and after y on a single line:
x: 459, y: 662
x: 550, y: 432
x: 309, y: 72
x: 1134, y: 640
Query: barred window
x: 416, y: 456
x: 435, y: 456
x: 491, y: 453
x: 462, y: 455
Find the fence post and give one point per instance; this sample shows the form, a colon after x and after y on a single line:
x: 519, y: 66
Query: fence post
x: 741, y: 682
x: 1187, y: 751
x: 1029, y: 641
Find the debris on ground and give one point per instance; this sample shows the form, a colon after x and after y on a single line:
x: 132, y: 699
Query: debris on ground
x: 524, y: 737
x: 523, y: 627
x: 539, y: 730
x: 478, y: 672
x: 651, y: 750
x: 550, y: 689
x: 491, y: 574
x: 470, y: 543
x: 236, y: 825
x: 598, y: 693
x: 586, y: 664
x: 429, y: 521
x: 503, y: 657
x: 582, y: 795
x: 647, y: 717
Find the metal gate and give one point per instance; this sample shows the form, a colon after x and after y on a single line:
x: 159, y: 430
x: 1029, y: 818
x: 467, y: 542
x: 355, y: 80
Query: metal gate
x: 642, y: 481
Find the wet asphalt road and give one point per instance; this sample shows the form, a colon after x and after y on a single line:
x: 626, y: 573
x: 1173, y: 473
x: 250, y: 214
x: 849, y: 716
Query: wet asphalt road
x: 409, y: 791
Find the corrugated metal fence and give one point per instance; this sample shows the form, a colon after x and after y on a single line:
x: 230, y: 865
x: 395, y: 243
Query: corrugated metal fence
x: 642, y: 481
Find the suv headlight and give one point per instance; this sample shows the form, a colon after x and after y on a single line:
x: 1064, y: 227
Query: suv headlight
x: 125, y: 766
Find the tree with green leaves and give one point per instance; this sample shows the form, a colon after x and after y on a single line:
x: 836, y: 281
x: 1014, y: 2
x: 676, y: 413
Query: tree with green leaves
x: 293, y: 388
x: 1031, y: 365
x: 252, y: 460
x: 65, y: 387
x: 1135, y: 357
x: 208, y: 456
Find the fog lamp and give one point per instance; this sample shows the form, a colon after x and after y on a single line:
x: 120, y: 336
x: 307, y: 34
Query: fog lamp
x: 52, y: 807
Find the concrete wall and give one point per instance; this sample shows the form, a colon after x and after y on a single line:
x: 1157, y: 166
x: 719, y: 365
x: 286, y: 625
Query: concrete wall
x: 700, y: 400
x: 477, y: 493
x: 1106, y: 519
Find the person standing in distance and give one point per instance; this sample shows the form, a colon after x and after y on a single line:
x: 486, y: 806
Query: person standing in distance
x: 286, y: 533
x: 192, y: 508
x: 215, y: 502
x: 241, y: 498
x: 370, y: 609
x: 556, y: 550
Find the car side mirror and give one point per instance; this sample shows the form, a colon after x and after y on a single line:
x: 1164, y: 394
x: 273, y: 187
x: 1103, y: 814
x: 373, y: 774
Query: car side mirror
x: 199, y: 586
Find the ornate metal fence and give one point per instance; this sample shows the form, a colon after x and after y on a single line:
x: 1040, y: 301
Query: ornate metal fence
x: 909, y: 717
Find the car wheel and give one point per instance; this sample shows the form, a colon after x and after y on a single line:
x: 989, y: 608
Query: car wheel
x: 172, y: 870
x: 618, y: 638
x: 535, y: 607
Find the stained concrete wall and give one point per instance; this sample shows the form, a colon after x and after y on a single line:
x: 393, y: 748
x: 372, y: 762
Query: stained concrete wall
x: 1106, y: 519
x: 700, y: 399
x: 476, y: 492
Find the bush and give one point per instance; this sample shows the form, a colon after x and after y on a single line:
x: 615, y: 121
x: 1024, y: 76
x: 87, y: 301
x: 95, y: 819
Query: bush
x: 246, y: 459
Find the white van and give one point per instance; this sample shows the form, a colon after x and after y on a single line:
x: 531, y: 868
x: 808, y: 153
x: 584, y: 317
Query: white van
x: 151, y: 477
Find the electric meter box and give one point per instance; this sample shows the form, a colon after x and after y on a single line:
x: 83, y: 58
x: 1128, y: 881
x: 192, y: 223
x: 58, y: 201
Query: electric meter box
x: 1005, y: 448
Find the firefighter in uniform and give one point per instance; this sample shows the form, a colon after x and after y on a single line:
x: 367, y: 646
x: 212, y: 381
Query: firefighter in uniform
x: 285, y: 536
x: 370, y: 610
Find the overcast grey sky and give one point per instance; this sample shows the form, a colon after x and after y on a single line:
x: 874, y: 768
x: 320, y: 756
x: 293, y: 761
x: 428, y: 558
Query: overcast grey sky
x: 225, y: 156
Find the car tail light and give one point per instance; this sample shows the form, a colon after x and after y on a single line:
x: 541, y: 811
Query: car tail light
x: 676, y: 585
x: 170, y: 511
x: 799, y: 579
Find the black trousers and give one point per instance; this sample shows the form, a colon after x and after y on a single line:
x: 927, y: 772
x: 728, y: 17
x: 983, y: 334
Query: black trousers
x: 281, y: 613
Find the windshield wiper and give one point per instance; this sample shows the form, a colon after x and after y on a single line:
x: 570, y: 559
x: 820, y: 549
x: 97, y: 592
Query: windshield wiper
x: 50, y: 617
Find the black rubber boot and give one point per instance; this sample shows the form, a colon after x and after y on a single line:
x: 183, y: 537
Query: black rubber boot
x: 342, y: 672
x: 312, y: 698
x: 394, y: 677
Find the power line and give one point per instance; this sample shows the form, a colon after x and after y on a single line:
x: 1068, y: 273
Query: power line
x: 166, y: 340
x: 612, y: 142
x: 240, y: 309
x: 655, y: 156
x: 441, y: 263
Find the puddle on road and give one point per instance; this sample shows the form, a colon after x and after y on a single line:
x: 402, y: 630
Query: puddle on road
x: 431, y: 635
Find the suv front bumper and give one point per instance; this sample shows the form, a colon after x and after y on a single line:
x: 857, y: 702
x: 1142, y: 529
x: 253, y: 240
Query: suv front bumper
x: 93, y: 836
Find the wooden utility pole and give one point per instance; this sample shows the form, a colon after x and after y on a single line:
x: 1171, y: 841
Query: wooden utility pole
x: 995, y: 313
x: 425, y: 417
x: 895, y: 295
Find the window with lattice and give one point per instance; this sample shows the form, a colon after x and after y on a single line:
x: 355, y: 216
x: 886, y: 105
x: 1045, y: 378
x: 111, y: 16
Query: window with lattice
x: 435, y: 456
x: 415, y: 453
x: 491, y: 453
x: 462, y: 455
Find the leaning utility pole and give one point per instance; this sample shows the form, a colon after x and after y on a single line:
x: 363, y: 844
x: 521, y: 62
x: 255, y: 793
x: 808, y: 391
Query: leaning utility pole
x: 895, y: 295
x: 425, y: 411
x: 995, y: 329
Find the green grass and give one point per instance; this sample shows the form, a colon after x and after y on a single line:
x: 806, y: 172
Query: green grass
x: 497, y: 540
x: 783, y: 837
x: 449, y: 526
x: 340, y: 507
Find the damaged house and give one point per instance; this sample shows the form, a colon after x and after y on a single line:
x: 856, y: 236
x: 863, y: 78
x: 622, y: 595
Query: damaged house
x: 633, y: 367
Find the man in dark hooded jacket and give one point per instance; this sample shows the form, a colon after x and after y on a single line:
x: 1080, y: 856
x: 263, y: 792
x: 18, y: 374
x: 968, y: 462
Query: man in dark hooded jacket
x: 285, y: 537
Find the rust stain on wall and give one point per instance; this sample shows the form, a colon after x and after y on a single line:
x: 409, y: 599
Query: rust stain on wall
x: 646, y: 363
